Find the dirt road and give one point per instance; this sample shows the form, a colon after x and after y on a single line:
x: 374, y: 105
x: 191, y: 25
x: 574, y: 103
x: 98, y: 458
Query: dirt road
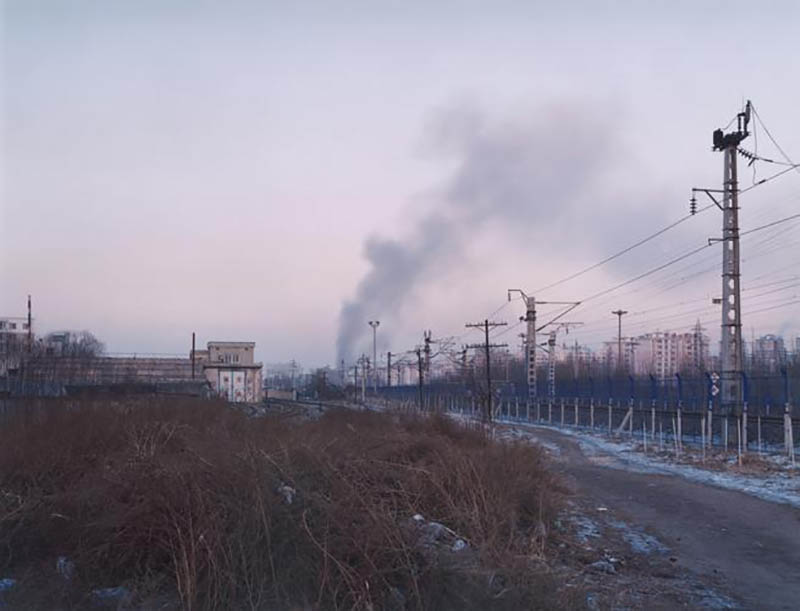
x: 746, y: 547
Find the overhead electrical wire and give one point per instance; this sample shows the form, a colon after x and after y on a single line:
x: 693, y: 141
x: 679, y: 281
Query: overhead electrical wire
x: 623, y: 251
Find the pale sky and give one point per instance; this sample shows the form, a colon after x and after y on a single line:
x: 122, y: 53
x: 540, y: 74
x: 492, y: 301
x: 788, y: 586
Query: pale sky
x: 218, y: 167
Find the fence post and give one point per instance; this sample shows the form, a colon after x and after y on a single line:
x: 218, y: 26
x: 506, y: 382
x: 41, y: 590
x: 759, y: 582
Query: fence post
x: 591, y: 413
x: 562, y: 412
x: 746, y: 389
x: 703, y: 436
x: 609, y: 416
x: 759, y: 433
x: 725, y: 431
x: 788, y: 437
x: 739, y: 439
x: 576, y: 412
x: 710, y: 410
x: 653, y: 421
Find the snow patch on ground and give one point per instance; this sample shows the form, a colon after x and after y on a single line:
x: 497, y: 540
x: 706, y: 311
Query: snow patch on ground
x: 516, y: 434
x: 778, y: 488
x: 585, y: 528
x: 640, y: 542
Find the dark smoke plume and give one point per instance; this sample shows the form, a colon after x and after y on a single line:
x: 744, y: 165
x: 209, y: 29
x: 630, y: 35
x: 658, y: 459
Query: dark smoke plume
x: 524, y: 175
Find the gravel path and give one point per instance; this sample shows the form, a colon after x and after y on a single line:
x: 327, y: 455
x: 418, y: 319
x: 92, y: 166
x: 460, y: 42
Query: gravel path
x: 747, y: 546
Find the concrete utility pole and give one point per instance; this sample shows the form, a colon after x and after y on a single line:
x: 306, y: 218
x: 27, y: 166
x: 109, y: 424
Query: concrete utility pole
x: 193, y: 355
x: 388, y: 369
x: 619, y: 314
x: 551, y: 358
x: 426, y: 336
x: 419, y: 376
x: 364, y: 370
x: 530, y: 335
x: 486, y: 325
x: 731, y: 357
x: 30, y: 327
x: 374, y: 324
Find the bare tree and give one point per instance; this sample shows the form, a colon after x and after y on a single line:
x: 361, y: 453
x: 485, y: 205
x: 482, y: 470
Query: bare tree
x: 73, y: 343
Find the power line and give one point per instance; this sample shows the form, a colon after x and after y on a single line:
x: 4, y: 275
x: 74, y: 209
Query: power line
x: 772, y: 224
x: 769, y: 135
x: 679, y: 259
x: 624, y: 250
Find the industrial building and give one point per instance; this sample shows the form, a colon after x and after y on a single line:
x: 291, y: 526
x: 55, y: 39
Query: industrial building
x: 231, y: 370
x: 225, y: 369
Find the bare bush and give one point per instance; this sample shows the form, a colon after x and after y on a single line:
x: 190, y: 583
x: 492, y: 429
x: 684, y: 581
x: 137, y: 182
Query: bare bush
x: 193, y: 502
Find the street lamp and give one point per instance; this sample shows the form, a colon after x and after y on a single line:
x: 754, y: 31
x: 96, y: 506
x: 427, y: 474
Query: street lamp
x: 374, y: 324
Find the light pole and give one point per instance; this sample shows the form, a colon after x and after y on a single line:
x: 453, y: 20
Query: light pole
x: 619, y: 314
x: 374, y: 324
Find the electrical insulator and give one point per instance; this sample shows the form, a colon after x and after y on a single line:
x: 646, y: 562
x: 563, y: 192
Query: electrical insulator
x: 693, y: 205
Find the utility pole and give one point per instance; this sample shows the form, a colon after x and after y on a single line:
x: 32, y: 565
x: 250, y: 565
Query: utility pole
x: 551, y: 358
x: 619, y: 314
x: 364, y: 369
x: 388, y: 369
x: 530, y: 335
x: 426, y: 336
x: 731, y: 327
x: 30, y: 327
x: 374, y: 324
x: 193, y: 355
x: 419, y: 375
x: 575, y: 361
x: 486, y: 325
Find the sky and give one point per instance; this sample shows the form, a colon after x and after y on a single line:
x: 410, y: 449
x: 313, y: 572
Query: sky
x: 284, y: 172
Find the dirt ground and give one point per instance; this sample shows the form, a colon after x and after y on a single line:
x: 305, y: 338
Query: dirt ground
x: 637, y: 540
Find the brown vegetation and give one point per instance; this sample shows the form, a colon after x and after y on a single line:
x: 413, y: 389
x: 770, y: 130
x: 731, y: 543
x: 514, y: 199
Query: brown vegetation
x: 189, y: 503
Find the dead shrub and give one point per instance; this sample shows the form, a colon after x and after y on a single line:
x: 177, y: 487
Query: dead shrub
x: 192, y: 499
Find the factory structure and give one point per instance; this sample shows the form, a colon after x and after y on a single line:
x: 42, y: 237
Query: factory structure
x: 230, y: 370
x: 69, y: 362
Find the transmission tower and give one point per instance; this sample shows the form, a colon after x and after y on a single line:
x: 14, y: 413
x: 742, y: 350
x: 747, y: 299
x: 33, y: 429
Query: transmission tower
x: 530, y: 335
x: 731, y: 359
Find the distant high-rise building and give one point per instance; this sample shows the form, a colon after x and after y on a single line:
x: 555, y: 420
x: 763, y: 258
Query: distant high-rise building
x: 665, y: 354
x: 769, y: 352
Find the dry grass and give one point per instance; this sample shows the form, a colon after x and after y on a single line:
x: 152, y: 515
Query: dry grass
x: 180, y: 501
